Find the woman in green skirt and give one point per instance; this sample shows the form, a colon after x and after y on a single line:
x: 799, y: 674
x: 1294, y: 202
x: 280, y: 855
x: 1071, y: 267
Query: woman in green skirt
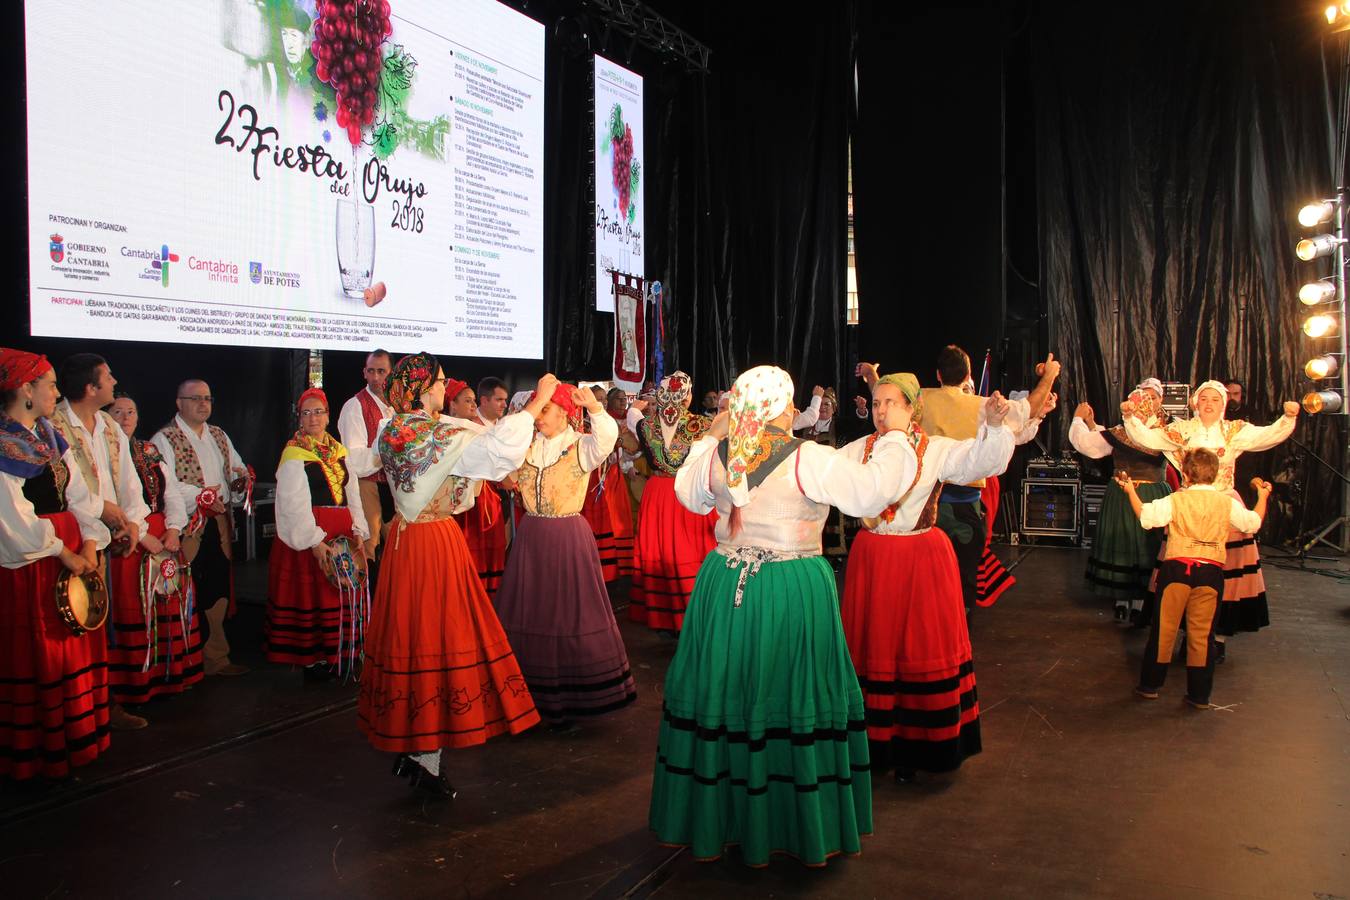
x: 1123, y: 552
x: 763, y: 741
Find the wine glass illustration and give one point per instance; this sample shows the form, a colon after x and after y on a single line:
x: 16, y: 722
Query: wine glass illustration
x: 355, y: 245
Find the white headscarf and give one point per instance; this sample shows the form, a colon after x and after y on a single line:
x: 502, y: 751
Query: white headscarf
x: 1212, y: 385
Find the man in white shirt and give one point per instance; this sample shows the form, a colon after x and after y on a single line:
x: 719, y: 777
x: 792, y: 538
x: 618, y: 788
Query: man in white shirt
x: 358, y: 424
x: 103, y: 455
x: 206, y: 464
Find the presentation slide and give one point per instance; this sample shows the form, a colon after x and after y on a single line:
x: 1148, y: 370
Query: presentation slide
x: 618, y: 177
x: 287, y: 173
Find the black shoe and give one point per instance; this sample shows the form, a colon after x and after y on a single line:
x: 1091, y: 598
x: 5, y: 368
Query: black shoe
x: 1220, y: 651
x: 436, y: 785
x: 565, y: 727
x: 404, y: 766
x: 318, y: 673
x: 1122, y: 612
x: 905, y: 776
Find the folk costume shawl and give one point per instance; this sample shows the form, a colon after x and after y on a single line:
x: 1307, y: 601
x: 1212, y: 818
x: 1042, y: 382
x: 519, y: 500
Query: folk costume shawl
x: 324, y: 449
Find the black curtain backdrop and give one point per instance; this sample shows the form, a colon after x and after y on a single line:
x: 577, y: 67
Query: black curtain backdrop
x: 1173, y: 159
x: 927, y: 150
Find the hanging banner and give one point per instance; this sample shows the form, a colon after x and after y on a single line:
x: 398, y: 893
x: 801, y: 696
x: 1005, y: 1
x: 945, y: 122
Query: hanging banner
x: 630, y: 331
x: 619, y: 201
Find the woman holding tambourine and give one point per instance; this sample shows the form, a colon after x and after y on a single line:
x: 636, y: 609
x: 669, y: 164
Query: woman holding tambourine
x: 156, y: 645
x: 53, y: 674
x: 317, y: 599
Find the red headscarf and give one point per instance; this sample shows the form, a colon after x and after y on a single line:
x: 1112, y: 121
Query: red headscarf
x: 19, y: 367
x: 453, y: 388
x: 562, y: 397
x: 310, y: 394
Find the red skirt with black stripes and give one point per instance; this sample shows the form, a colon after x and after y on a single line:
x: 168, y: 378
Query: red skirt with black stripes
x: 905, y: 624
x: 670, y: 547
x: 53, y: 683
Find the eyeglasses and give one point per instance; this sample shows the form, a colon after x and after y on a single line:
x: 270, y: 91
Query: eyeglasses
x: 198, y: 398
x: 312, y: 413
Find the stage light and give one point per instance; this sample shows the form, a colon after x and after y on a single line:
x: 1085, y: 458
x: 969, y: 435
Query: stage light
x: 1332, y: 12
x: 1324, y: 366
x: 1313, y: 247
x: 1320, y: 325
x: 1322, y: 402
x: 1316, y: 213
x: 1315, y: 292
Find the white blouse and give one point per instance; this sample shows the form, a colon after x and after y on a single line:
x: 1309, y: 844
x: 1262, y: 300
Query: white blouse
x: 1088, y: 441
x: 1188, y: 434
x: 25, y: 537
x: 945, y: 460
x: 296, y: 525
x: 592, y: 448
x: 788, y: 509
x: 362, y: 457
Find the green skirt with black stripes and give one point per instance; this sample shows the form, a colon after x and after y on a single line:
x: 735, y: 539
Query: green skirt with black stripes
x: 763, y: 741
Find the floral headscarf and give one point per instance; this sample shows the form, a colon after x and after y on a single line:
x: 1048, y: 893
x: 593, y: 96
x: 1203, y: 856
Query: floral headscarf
x: 909, y: 387
x: 671, y: 396
x: 759, y: 396
x: 412, y: 377
x: 674, y: 390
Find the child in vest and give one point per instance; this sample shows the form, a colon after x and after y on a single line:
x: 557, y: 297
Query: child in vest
x: 1190, y: 582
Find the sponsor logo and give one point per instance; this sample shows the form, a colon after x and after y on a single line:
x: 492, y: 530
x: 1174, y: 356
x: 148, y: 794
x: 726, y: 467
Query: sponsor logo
x: 57, y: 248
x: 255, y: 272
x: 162, y: 264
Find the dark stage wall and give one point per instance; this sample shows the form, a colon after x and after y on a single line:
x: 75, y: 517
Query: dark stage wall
x: 1117, y: 188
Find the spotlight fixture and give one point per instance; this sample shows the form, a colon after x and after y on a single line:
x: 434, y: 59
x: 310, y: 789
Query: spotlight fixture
x: 1322, y: 402
x: 1316, y: 213
x: 1315, y: 292
x: 1324, y: 366
x: 1332, y: 12
x: 1314, y: 247
x: 1320, y: 326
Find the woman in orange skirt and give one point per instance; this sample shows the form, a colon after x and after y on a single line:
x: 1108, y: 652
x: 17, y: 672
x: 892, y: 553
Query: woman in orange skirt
x: 439, y: 672
x: 671, y: 541
x: 317, y: 603
x: 53, y: 683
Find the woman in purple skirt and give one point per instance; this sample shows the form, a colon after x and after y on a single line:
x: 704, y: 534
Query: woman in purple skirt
x: 552, y: 600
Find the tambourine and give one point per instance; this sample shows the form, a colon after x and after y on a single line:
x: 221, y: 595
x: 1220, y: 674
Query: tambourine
x: 82, y: 601
x: 349, y: 567
x: 164, y: 572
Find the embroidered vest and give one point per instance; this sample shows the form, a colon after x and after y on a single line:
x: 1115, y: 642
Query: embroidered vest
x: 78, y: 439
x: 667, y: 458
x: 47, y: 490
x: 146, y: 458
x: 187, y: 468
x: 557, y: 490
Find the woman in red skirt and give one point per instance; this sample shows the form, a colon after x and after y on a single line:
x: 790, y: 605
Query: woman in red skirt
x: 903, y: 613
x: 157, y: 645
x: 671, y: 541
x: 317, y: 601
x: 484, y: 524
x: 439, y: 671
x: 53, y: 683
